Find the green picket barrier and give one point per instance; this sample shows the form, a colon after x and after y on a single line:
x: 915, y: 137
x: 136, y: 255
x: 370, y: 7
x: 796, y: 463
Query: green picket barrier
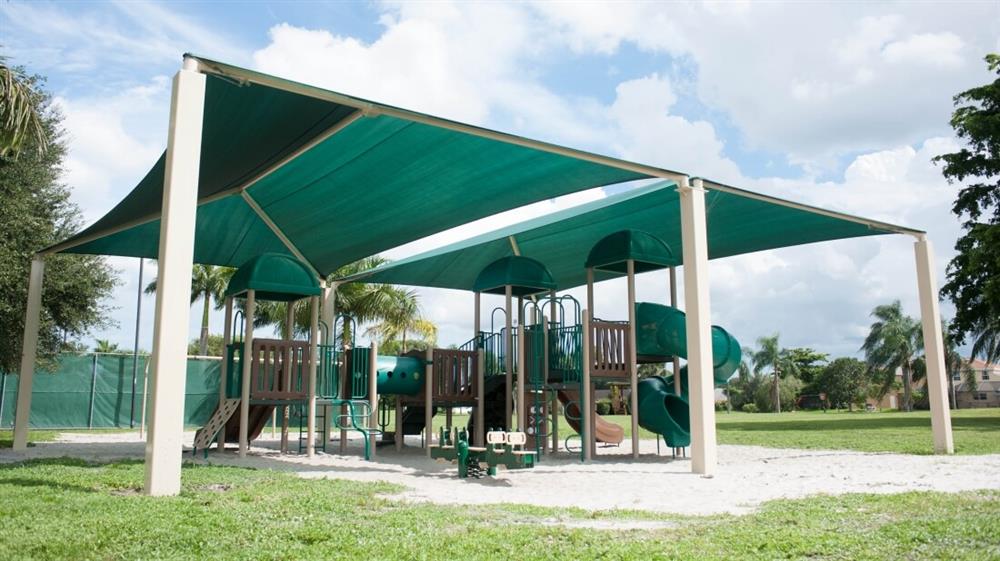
x: 96, y: 391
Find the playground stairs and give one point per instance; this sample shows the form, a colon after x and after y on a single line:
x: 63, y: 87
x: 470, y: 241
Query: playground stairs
x: 206, y: 434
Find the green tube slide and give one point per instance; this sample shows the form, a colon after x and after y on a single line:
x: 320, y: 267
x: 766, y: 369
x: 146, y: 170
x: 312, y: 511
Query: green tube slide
x: 400, y: 375
x: 661, y: 332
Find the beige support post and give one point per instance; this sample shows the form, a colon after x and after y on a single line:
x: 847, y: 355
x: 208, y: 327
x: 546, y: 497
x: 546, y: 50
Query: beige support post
x: 176, y: 258
x: 583, y: 407
x: 673, y: 303
x: 930, y: 316
x: 311, y: 388
x: 329, y: 314
x: 428, y: 401
x: 509, y: 361
x: 699, y: 328
x: 590, y: 291
x: 373, y: 394
x: 545, y: 378
x: 29, y: 348
x: 246, y: 361
x: 287, y: 378
x: 522, y: 375
x: 479, y: 439
x: 633, y: 359
x: 398, y: 440
x: 227, y: 338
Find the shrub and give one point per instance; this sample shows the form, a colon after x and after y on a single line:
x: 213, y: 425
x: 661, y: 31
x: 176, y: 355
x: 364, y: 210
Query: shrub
x: 603, y: 406
x: 750, y: 408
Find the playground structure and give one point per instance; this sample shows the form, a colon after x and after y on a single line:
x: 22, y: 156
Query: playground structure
x: 256, y: 164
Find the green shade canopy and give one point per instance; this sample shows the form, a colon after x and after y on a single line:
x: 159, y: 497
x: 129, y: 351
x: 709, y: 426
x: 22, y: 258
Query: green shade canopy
x: 524, y: 275
x: 340, y: 178
x: 613, y: 251
x: 274, y: 277
x: 562, y: 240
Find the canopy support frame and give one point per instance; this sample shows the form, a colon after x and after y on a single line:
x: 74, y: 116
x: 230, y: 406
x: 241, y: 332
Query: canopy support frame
x: 266, y: 218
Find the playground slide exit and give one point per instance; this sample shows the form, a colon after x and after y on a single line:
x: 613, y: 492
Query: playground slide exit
x: 661, y: 331
x: 604, y: 431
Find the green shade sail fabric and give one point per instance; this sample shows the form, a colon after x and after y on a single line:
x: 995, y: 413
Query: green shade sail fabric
x: 274, y: 277
x: 562, y: 240
x: 525, y: 276
x: 351, y: 182
x: 613, y: 251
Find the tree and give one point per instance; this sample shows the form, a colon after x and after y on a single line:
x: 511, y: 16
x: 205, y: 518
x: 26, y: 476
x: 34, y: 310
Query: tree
x: 973, y: 275
x: 894, y: 341
x: 214, y: 346
x: 403, y: 317
x: 105, y: 346
x: 845, y: 381
x: 22, y: 123
x: 780, y: 362
x: 366, y: 303
x: 36, y: 212
x: 207, y: 282
x: 809, y: 362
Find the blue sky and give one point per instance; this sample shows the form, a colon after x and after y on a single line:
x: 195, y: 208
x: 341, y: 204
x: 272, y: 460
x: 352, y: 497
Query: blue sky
x: 835, y: 104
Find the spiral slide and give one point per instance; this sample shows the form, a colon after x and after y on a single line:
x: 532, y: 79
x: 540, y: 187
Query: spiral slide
x: 660, y: 332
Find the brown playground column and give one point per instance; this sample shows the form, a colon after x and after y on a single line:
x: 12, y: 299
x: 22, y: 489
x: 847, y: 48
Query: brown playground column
x: 479, y: 439
x: 227, y: 338
x: 246, y: 360
x: 428, y: 401
x: 399, y: 423
x: 313, y: 359
x: 373, y: 395
x: 521, y: 366
x: 633, y: 362
x: 585, y: 429
x: 509, y: 361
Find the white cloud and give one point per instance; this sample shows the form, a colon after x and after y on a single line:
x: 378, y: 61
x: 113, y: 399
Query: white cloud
x: 939, y: 49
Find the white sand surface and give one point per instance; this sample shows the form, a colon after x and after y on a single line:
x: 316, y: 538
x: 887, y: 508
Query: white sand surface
x: 746, y: 477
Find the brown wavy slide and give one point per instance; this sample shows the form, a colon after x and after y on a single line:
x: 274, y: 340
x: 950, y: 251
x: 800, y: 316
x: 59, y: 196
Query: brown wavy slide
x: 605, y: 431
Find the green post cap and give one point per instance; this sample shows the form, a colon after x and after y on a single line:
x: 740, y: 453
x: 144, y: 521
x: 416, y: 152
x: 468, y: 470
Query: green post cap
x: 525, y: 276
x: 274, y: 277
x: 613, y: 251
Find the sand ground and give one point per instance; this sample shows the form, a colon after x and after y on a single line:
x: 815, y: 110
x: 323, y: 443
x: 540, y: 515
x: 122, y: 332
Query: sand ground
x: 747, y: 476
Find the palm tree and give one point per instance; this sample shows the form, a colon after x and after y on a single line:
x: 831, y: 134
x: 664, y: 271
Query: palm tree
x: 894, y: 341
x: 105, y: 346
x: 770, y: 355
x: 986, y: 342
x: 364, y: 302
x: 207, y: 282
x: 20, y: 111
x: 403, y: 318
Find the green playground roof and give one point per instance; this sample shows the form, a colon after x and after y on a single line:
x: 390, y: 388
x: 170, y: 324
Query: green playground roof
x: 563, y: 240
x: 329, y: 178
x: 274, y: 277
x: 525, y: 276
x: 648, y: 252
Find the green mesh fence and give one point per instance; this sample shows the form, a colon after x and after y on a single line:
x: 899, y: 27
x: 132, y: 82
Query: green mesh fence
x: 96, y: 391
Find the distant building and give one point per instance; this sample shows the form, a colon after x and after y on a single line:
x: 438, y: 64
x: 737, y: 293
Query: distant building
x: 986, y: 390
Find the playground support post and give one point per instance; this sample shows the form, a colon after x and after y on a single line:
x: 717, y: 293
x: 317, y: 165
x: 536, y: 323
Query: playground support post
x: 555, y: 397
x: 930, y: 316
x: 545, y: 378
x: 287, y: 374
x: 508, y: 360
x: 633, y: 362
x: 522, y: 368
x: 428, y: 401
x: 227, y: 338
x: 135, y: 345
x: 699, y: 327
x: 313, y: 359
x: 676, y: 360
x: 373, y: 394
x: 176, y: 257
x: 29, y: 348
x: 398, y: 440
x: 584, y: 406
x: 479, y: 439
x: 246, y: 360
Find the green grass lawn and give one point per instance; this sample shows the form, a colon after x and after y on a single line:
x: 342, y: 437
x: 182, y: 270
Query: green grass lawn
x: 68, y: 509
x: 7, y: 437
x: 976, y: 431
